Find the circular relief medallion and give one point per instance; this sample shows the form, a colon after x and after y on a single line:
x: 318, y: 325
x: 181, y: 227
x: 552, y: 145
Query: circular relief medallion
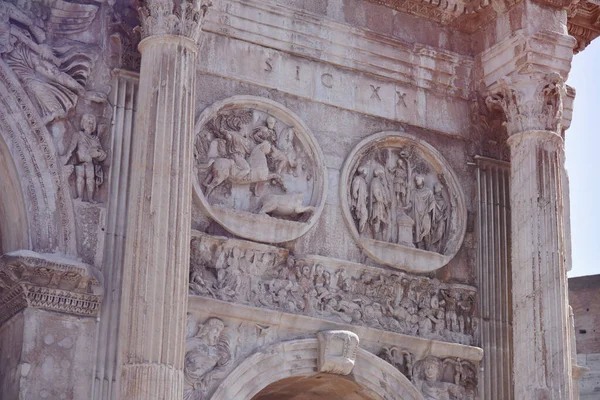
x: 402, y: 202
x: 259, y: 171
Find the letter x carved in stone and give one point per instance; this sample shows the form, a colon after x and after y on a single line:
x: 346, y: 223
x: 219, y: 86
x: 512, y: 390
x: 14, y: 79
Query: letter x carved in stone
x: 375, y: 92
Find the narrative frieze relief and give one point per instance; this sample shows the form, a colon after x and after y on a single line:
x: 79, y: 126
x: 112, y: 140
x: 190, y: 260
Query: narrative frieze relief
x: 437, y: 378
x: 260, y: 173
x: 269, y: 277
x: 402, y: 202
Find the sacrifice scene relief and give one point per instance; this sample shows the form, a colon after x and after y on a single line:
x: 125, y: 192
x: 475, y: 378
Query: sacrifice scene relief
x: 396, y: 197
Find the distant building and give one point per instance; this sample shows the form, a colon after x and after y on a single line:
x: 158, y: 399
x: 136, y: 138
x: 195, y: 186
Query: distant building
x: 584, y: 297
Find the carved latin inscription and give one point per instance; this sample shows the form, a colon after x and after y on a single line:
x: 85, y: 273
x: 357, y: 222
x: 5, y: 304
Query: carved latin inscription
x: 258, y: 165
x: 402, y: 202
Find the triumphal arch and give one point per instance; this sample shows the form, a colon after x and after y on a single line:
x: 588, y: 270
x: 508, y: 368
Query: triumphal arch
x: 291, y: 199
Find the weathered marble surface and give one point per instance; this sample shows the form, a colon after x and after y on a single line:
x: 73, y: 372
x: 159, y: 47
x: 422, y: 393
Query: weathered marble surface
x: 238, y: 124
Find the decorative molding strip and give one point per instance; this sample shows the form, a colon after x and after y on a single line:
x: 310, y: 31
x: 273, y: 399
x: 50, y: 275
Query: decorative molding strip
x: 544, y: 51
x: 48, y: 282
x: 310, y: 36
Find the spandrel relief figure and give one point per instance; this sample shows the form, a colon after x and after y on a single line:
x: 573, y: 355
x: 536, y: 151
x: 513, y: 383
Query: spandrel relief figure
x: 53, y: 77
x: 86, y: 154
x: 257, y: 168
x: 429, y: 376
x: 207, y: 353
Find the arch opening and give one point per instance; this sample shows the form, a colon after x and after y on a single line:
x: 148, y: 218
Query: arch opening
x: 295, y: 362
x: 315, y: 387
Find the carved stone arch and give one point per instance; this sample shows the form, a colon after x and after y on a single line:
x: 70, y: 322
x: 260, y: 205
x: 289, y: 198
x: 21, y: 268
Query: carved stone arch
x: 299, y: 358
x: 49, y: 209
x: 14, y: 234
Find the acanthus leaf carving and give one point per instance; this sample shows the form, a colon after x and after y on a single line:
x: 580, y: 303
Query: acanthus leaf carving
x: 530, y: 101
x: 183, y: 18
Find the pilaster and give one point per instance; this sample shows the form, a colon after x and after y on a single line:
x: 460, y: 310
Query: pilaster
x: 155, y: 278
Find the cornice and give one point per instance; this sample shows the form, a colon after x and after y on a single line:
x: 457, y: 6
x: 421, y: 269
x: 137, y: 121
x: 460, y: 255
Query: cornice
x: 584, y: 22
x: 49, y: 282
x: 470, y: 15
x: 311, y: 36
x: 544, y: 51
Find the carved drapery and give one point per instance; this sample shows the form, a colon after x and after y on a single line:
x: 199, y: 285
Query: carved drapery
x: 155, y: 277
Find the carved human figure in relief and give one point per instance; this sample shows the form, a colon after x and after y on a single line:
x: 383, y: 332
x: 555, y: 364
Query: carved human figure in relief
x: 432, y: 388
x: 380, y: 204
x: 422, y: 204
x: 360, y: 194
x: 451, y: 306
x: 207, y: 351
x: 267, y: 132
x: 439, y: 220
x: 401, y: 178
x: 86, y: 154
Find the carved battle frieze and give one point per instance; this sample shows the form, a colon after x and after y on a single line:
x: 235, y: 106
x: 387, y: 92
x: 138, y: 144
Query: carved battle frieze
x: 268, y: 277
x: 260, y: 172
x: 402, y: 202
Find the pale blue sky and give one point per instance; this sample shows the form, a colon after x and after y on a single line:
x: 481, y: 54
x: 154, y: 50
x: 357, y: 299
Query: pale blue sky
x: 583, y: 162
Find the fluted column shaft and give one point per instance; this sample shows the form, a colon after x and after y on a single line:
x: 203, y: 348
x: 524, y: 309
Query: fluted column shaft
x: 542, y: 360
x: 155, y: 280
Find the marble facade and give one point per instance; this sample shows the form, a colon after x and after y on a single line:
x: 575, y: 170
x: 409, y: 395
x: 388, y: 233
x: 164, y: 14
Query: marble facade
x: 298, y: 199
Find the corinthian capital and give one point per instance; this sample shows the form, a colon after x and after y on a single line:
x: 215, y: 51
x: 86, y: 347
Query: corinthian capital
x: 168, y: 17
x: 530, y: 101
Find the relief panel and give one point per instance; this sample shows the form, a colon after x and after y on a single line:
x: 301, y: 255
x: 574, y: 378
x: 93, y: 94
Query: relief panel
x: 402, y: 202
x: 260, y: 173
x: 268, y: 277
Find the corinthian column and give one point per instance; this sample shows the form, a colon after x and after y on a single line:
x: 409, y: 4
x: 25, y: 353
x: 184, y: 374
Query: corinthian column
x: 532, y: 103
x: 155, y: 280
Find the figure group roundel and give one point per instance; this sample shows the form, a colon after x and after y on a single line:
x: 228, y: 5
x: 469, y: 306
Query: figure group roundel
x: 402, y: 202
